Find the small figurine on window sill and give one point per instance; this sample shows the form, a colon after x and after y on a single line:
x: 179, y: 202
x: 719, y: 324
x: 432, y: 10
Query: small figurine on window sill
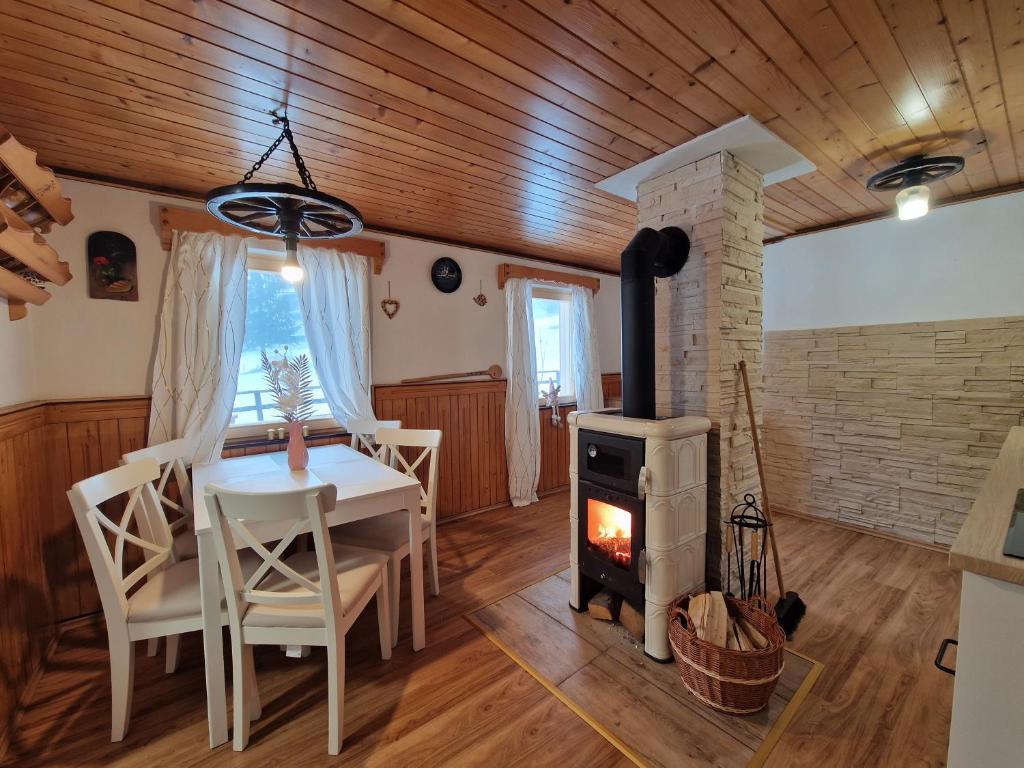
x: 551, y: 398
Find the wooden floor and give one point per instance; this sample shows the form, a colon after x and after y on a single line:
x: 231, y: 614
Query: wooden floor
x: 602, y: 672
x: 877, y: 612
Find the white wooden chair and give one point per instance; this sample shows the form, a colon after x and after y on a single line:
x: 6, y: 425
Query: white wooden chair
x: 171, y: 457
x: 390, y: 533
x: 159, y: 598
x: 309, y: 598
x: 364, y: 432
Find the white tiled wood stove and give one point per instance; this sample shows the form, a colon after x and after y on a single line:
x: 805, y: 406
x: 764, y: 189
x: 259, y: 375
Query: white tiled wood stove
x: 639, y: 483
x: 639, y: 512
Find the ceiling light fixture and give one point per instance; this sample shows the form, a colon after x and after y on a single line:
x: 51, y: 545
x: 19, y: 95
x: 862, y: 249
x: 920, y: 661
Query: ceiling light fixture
x: 911, y: 178
x: 288, y: 211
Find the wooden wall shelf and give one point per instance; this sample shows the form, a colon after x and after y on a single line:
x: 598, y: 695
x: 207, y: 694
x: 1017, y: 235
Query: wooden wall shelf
x: 20, y: 241
x: 29, y: 189
x: 30, y: 202
x: 194, y: 220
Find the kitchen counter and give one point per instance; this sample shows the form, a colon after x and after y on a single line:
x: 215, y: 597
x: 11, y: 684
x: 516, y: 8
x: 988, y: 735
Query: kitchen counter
x: 979, y: 546
x: 989, y: 690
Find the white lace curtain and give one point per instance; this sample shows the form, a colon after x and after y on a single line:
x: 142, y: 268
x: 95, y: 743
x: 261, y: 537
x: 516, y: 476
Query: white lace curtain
x: 522, y: 414
x: 199, y: 347
x: 335, y: 300
x: 586, y: 364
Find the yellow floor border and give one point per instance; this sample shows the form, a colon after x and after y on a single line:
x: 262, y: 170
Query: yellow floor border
x: 759, y: 757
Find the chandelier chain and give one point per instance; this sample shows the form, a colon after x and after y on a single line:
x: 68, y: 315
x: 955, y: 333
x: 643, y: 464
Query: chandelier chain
x: 300, y: 164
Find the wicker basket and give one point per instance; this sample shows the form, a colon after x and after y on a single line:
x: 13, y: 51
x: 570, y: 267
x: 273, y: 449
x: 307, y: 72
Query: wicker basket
x: 737, y: 682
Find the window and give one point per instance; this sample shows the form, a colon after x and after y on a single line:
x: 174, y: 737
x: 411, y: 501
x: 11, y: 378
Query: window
x: 552, y: 318
x: 273, y: 320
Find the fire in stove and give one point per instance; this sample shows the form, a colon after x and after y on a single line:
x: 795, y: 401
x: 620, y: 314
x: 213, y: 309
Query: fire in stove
x: 610, y: 532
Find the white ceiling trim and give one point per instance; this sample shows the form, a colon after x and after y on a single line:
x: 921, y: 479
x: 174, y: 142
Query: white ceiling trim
x: 744, y: 138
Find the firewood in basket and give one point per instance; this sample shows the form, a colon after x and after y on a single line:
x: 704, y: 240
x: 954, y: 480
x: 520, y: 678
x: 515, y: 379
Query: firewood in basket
x: 757, y: 639
x: 716, y: 623
x: 604, y: 605
x: 731, y: 641
x: 696, y: 609
x: 741, y: 637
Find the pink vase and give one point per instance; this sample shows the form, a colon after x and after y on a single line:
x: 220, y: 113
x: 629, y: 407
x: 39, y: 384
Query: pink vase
x: 298, y: 456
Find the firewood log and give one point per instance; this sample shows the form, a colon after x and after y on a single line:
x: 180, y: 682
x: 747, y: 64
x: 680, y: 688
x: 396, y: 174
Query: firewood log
x: 696, y: 609
x: 632, y: 619
x: 716, y: 623
x: 741, y: 636
x: 604, y: 605
x: 731, y: 641
x: 754, y: 635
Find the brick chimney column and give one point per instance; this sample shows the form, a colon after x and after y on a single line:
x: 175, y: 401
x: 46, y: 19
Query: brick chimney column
x: 708, y: 317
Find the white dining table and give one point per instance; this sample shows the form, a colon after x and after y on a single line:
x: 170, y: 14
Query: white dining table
x: 366, y: 488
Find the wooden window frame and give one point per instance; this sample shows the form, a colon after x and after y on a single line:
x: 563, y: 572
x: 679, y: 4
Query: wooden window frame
x: 265, y: 258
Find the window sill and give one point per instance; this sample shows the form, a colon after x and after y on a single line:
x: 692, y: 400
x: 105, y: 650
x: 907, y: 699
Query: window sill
x: 263, y: 442
x: 546, y: 407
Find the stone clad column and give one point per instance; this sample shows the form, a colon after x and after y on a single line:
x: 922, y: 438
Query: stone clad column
x: 708, y: 317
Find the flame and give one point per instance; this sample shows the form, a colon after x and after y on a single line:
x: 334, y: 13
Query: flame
x: 609, y: 532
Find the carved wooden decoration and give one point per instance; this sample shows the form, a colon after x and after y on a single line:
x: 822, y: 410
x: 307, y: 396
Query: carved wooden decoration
x: 29, y: 189
x: 30, y: 202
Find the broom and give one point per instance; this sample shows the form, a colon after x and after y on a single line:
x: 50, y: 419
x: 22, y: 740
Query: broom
x: 790, y: 609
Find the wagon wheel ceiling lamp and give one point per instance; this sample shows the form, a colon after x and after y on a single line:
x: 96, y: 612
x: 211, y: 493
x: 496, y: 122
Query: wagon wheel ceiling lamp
x: 287, y: 211
x: 911, y: 178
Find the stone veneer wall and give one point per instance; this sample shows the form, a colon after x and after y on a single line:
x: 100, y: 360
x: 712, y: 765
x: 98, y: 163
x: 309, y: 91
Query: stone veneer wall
x: 709, y: 316
x: 891, y: 427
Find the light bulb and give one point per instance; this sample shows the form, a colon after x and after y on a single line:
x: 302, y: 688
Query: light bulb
x: 912, y: 202
x: 291, y: 271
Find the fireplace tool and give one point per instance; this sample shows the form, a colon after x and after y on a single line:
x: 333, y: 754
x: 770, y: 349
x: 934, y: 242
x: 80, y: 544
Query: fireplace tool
x: 790, y: 608
x: 746, y: 549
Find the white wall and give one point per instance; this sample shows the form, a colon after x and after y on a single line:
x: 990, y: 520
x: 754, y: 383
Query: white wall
x: 958, y: 262
x: 17, y: 374
x: 435, y: 332
x: 95, y: 348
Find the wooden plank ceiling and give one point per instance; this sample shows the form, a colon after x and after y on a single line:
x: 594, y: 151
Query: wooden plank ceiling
x: 488, y: 122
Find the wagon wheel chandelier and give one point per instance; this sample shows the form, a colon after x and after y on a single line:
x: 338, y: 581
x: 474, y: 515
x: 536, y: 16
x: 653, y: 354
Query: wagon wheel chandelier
x: 288, y: 211
x: 912, y: 177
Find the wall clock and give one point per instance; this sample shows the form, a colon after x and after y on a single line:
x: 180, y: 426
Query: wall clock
x: 446, y: 275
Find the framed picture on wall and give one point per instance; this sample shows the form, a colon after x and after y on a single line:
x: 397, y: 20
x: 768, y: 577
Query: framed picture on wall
x: 113, y: 272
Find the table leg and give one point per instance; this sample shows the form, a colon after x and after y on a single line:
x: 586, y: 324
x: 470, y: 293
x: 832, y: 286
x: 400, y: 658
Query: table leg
x: 213, y: 641
x: 419, y: 639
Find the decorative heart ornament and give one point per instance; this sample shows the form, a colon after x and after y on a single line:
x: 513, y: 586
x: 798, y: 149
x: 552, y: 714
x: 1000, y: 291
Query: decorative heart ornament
x: 390, y: 307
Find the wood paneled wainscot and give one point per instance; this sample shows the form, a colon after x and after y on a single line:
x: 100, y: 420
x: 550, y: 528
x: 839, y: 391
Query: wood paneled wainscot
x: 891, y: 427
x: 46, y: 447
x: 474, y: 472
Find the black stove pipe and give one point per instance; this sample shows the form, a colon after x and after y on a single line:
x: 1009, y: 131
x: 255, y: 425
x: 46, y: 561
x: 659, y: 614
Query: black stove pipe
x: 651, y: 253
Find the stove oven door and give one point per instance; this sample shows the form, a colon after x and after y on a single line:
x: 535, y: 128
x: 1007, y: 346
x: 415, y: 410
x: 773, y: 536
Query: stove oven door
x: 611, y: 537
x: 613, y: 461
